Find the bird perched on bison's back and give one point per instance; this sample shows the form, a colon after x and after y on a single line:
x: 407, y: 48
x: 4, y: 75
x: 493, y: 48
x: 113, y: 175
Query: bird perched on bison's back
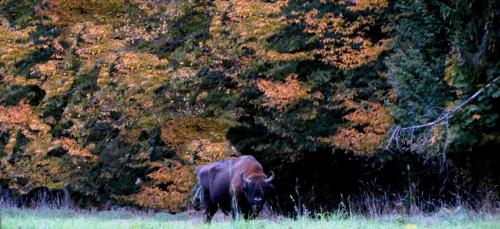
x: 237, y: 185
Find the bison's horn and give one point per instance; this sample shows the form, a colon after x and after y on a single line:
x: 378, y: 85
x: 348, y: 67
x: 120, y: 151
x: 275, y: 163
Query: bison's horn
x: 269, y: 179
x: 242, y: 175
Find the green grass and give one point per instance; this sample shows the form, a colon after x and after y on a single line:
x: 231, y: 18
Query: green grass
x: 59, y: 218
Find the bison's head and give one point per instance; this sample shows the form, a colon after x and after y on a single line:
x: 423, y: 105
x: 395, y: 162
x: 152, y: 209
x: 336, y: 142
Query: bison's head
x: 255, y: 188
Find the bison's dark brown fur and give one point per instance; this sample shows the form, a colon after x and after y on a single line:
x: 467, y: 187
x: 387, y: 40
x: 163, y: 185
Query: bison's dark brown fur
x: 237, y: 185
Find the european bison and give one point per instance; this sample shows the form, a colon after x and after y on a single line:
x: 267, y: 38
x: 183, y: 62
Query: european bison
x: 237, y: 185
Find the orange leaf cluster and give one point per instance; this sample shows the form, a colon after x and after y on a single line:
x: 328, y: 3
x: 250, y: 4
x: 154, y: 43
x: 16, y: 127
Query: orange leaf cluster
x: 181, y: 131
x: 23, y: 118
x: 344, y: 41
x: 179, y: 177
x: 74, y: 149
x: 362, y: 5
x: 252, y: 22
x: 156, y: 198
x: 66, y: 12
x: 37, y: 169
x: 256, y: 18
x: 54, y: 77
x: 368, y: 132
x: 280, y: 95
x: 205, y: 150
x: 14, y: 43
x: 15, y: 116
x: 169, y: 188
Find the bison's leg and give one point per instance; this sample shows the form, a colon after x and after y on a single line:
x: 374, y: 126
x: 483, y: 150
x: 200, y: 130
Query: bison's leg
x: 248, y: 214
x: 234, y: 208
x: 210, y: 212
x: 210, y: 208
x: 234, y: 213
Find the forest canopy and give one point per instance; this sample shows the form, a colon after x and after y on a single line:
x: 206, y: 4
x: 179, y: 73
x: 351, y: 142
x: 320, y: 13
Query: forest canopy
x: 119, y: 101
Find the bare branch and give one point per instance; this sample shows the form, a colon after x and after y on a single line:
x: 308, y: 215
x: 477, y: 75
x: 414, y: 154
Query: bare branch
x: 426, y: 138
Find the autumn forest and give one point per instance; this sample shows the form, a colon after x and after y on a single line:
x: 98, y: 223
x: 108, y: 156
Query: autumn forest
x: 117, y: 102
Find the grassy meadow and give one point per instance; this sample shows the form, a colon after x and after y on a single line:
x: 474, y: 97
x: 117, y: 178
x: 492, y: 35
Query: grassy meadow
x: 64, y: 218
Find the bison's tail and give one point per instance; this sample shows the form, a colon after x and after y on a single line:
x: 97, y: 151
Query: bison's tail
x: 196, y: 197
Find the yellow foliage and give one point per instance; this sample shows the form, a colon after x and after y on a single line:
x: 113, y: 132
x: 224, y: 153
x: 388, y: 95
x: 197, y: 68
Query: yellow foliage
x: 453, y: 61
x: 344, y: 43
x: 67, y: 12
x: 34, y: 173
x: 280, y: 95
x: 253, y: 22
x: 180, y: 177
x: 344, y: 40
x: 436, y: 135
x: 181, y: 131
x: 275, y: 56
x: 15, y: 44
x: 97, y: 40
x: 140, y: 71
x: 362, y: 5
x: 74, y: 149
x: 156, y: 198
x: 55, y: 79
x: 22, y: 117
x: 202, y: 151
x: 37, y: 169
x: 257, y: 19
x: 375, y: 122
